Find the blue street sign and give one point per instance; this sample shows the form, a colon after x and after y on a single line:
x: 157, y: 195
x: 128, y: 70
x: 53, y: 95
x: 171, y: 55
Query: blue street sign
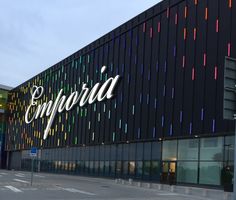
x: 33, y: 151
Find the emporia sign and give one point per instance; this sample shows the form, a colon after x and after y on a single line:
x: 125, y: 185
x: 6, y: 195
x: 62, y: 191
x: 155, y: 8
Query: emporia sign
x: 98, y: 92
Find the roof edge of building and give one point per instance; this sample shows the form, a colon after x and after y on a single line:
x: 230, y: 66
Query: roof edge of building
x: 4, y: 87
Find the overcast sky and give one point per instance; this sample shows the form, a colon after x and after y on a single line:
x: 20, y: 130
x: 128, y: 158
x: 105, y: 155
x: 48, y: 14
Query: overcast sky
x: 34, y: 35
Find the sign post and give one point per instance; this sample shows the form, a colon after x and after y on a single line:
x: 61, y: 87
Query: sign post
x: 33, y: 154
x: 229, y: 107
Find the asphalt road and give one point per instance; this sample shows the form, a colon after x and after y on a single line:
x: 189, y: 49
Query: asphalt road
x: 15, y: 185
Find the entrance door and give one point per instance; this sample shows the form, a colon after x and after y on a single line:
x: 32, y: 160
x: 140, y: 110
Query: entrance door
x: 168, y: 174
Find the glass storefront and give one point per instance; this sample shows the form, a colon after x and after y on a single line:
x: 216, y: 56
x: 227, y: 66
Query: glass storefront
x: 186, y: 161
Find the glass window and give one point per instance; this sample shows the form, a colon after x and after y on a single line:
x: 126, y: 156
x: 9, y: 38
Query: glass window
x: 86, y: 166
x: 118, y: 167
x: 132, y: 150
x: 210, y: 173
x: 107, y: 152
x: 211, y: 148
x: 91, y: 153
x: 77, y: 167
x: 69, y: 154
x: 96, y: 152
x: 139, y: 155
x: 82, y: 153
x: 169, y: 151
x: 113, y: 152
x: 119, y: 152
x: 102, y: 152
x: 229, y: 148
x: 155, y: 170
x: 131, y: 168
x: 102, y: 167
x: 125, y: 152
x: 91, y: 167
x: 86, y: 153
x: 147, y: 151
x: 188, y: 149
x: 125, y: 167
x: 77, y: 156
x: 107, y: 168
x: 139, y: 169
x: 156, y: 150
x: 112, y: 167
x: 187, y: 172
x: 146, y: 168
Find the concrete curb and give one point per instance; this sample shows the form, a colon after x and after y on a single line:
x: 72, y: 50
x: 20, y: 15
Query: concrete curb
x: 199, y: 192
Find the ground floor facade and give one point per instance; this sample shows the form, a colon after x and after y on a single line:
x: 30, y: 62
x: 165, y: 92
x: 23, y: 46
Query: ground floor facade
x: 196, y: 161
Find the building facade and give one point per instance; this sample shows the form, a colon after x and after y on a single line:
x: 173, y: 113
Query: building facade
x: 3, y: 107
x: 166, y: 118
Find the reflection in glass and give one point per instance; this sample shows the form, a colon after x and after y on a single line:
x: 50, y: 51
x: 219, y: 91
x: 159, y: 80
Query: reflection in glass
x: 118, y: 167
x: 132, y: 168
x: 112, y: 167
x: 188, y: 149
x: 187, y: 172
x: 146, y: 168
x: 107, y: 168
x: 125, y: 167
x: 169, y: 151
x: 210, y: 173
x: 229, y: 149
x: 139, y: 169
x: 155, y: 170
x: 211, y: 148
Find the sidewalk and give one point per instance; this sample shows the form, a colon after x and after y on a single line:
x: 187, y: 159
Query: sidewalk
x: 198, y: 192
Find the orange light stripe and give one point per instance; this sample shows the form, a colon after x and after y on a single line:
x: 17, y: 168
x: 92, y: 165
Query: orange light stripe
x: 230, y: 3
x: 185, y: 33
x: 206, y: 13
x: 185, y: 11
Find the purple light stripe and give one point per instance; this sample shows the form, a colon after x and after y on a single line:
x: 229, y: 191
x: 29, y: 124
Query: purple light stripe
x: 165, y: 67
x: 213, y: 125
x: 171, y: 129
x: 128, y: 78
x: 138, y: 133
x: 154, y: 132
x: 140, y: 98
x: 202, y: 114
x: 172, y: 93
x: 147, y: 98
x: 162, y: 120
x: 135, y: 59
x: 157, y: 66
x: 164, y: 90
x: 181, y: 116
x: 155, y: 103
x: 174, y: 51
x: 190, y: 128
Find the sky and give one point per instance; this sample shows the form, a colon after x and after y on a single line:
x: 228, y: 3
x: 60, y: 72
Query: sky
x: 35, y: 35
